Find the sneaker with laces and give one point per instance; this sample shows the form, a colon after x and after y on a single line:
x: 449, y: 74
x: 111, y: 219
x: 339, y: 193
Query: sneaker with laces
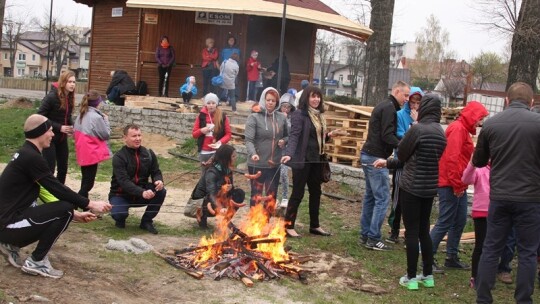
x: 428, y: 281
x: 12, y: 254
x: 377, y: 245
x: 410, y: 284
x: 436, y: 268
x: 42, y: 268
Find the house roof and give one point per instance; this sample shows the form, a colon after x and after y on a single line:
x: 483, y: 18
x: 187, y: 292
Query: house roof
x: 35, y: 36
x: 34, y: 48
x: 395, y: 75
x: 310, y: 11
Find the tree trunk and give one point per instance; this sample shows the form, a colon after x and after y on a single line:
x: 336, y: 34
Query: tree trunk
x: 2, y: 11
x: 525, y: 56
x: 378, y: 52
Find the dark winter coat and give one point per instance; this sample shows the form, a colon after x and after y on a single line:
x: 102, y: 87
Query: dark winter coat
x: 124, y: 82
x: 420, y: 150
x: 210, y: 183
x: 132, y: 169
x: 382, y: 138
x: 511, y: 140
x: 50, y: 108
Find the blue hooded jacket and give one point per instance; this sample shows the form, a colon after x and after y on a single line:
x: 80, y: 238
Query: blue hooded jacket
x: 404, y: 115
x: 184, y: 88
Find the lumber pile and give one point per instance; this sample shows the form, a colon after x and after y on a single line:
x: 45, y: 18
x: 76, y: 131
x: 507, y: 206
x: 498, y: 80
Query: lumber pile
x: 353, y: 119
x: 450, y: 114
x: 160, y: 103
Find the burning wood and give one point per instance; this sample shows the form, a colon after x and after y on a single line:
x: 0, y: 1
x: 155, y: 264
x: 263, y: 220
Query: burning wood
x: 253, y: 252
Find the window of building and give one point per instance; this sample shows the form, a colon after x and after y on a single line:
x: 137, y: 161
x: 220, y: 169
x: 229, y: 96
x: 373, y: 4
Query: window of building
x: 340, y: 78
x: 5, y: 56
x: 33, y: 57
x: 22, y: 56
x: 36, y: 74
x: 87, y: 56
x: 20, y: 72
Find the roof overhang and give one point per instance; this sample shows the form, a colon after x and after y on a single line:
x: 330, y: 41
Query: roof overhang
x: 326, y: 21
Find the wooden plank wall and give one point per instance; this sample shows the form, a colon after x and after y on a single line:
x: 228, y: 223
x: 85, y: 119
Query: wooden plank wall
x: 35, y: 84
x: 114, y: 43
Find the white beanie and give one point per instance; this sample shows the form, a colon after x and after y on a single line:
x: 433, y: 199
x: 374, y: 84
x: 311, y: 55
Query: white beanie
x: 210, y: 97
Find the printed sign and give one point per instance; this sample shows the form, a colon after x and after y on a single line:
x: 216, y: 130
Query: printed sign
x: 150, y: 18
x: 214, y: 18
x: 117, y: 12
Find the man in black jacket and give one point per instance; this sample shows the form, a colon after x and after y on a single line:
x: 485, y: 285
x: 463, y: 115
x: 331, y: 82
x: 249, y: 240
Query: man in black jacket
x: 121, y: 83
x: 22, y: 220
x: 133, y: 166
x: 510, y: 141
x: 381, y: 141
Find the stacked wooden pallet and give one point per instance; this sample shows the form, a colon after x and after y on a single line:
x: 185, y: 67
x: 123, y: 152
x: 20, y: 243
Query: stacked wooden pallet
x: 450, y: 114
x: 354, y: 120
x: 161, y: 103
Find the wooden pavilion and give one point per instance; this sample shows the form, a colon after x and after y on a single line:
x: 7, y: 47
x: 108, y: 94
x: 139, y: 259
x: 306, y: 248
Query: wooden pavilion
x: 125, y: 34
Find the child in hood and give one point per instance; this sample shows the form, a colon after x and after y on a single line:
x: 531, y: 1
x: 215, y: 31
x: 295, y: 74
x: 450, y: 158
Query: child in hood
x: 286, y: 107
x: 188, y: 90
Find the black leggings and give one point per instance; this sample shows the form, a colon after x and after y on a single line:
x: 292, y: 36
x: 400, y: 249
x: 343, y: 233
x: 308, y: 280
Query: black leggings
x: 187, y: 96
x: 416, y: 212
x: 87, y: 179
x: 43, y: 223
x: 480, y: 229
x: 57, y: 155
x: 310, y: 175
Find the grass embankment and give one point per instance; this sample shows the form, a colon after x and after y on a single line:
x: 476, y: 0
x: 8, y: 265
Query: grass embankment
x: 380, y: 268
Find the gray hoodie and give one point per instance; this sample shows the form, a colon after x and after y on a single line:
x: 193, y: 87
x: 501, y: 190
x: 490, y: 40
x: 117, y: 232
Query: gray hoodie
x: 263, y: 131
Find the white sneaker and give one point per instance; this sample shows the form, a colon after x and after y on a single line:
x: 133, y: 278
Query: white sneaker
x: 12, y: 254
x: 284, y: 203
x: 42, y: 268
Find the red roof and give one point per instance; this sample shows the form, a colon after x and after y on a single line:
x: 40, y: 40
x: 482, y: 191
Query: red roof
x: 315, y: 5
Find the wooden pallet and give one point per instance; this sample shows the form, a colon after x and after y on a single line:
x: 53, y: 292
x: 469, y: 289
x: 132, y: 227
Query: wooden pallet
x: 344, y: 159
x: 238, y: 130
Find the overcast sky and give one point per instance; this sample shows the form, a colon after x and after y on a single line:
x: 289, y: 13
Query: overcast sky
x: 456, y: 16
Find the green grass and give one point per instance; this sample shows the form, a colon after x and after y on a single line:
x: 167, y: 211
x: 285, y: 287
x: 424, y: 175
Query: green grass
x: 380, y: 268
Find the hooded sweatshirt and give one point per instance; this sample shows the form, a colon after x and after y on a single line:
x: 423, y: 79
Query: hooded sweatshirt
x: 229, y: 71
x: 263, y: 131
x: 188, y: 87
x: 459, y: 146
x: 404, y: 119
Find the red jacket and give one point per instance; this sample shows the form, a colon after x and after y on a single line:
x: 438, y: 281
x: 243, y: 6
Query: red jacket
x: 459, y: 147
x: 252, y: 68
x: 208, y: 57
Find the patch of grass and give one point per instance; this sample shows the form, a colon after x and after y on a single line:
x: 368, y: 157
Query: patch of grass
x: 11, y: 128
x: 189, y: 147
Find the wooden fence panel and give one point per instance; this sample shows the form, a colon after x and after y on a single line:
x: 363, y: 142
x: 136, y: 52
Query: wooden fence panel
x: 35, y: 84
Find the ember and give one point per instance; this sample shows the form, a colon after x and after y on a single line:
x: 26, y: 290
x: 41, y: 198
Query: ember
x: 252, y: 252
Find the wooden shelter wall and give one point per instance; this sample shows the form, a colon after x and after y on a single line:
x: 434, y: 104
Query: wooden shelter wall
x: 114, y: 43
x: 188, y: 39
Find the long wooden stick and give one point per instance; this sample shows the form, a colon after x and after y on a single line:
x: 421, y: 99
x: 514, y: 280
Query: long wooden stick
x: 196, y: 274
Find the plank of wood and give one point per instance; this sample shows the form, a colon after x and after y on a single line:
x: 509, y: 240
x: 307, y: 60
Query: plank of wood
x: 349, y: 108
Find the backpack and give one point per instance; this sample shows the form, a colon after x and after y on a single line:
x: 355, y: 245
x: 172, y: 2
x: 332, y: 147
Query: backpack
x: 142, y: 88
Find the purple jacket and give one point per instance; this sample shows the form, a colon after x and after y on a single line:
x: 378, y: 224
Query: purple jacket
x: 165, y: 56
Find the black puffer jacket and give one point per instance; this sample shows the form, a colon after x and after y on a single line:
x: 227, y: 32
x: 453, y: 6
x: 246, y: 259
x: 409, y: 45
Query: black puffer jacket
x: 420, y: 150
x: 382, y: 138
x: 50, y: 108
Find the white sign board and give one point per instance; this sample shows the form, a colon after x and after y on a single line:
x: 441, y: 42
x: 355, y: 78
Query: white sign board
x: 214, y: 18
x: 117, y: 12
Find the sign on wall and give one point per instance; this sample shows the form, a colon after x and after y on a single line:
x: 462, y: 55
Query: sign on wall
x: 214, y: 18
x: 117, y: 12
x: 150, y: 18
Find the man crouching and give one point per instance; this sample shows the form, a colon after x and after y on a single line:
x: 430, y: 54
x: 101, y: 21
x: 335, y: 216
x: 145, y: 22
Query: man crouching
x: 22, y: 220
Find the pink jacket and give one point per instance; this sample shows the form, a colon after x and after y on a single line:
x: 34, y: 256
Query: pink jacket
x: 91, y: 135
x: 479, y: 177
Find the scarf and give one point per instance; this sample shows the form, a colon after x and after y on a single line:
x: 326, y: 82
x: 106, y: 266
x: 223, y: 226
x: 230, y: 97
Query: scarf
x: 317, y: 118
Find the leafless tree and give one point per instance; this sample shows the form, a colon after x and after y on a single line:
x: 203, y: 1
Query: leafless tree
x: 326, y: 48
x: 498, y: 15
x: 13, y: 30
x: 2, y: 11
x: 356, y: 59
x: 378, y: 52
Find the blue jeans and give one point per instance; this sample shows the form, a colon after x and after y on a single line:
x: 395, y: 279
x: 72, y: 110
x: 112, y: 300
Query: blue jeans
x: 452, y: 219
x: 376, y: 198
x: 121, y: 205
x: 502, y: 216
x: 252, y: 90
x: 231, y: 98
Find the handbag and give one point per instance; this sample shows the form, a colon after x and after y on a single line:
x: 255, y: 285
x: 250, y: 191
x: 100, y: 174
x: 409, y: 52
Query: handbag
x: 326, y: 172
x: 217, y: 80
x: 191, y: 207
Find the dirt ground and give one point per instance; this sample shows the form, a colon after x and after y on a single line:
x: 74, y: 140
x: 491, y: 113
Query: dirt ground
x: 94, y: 274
